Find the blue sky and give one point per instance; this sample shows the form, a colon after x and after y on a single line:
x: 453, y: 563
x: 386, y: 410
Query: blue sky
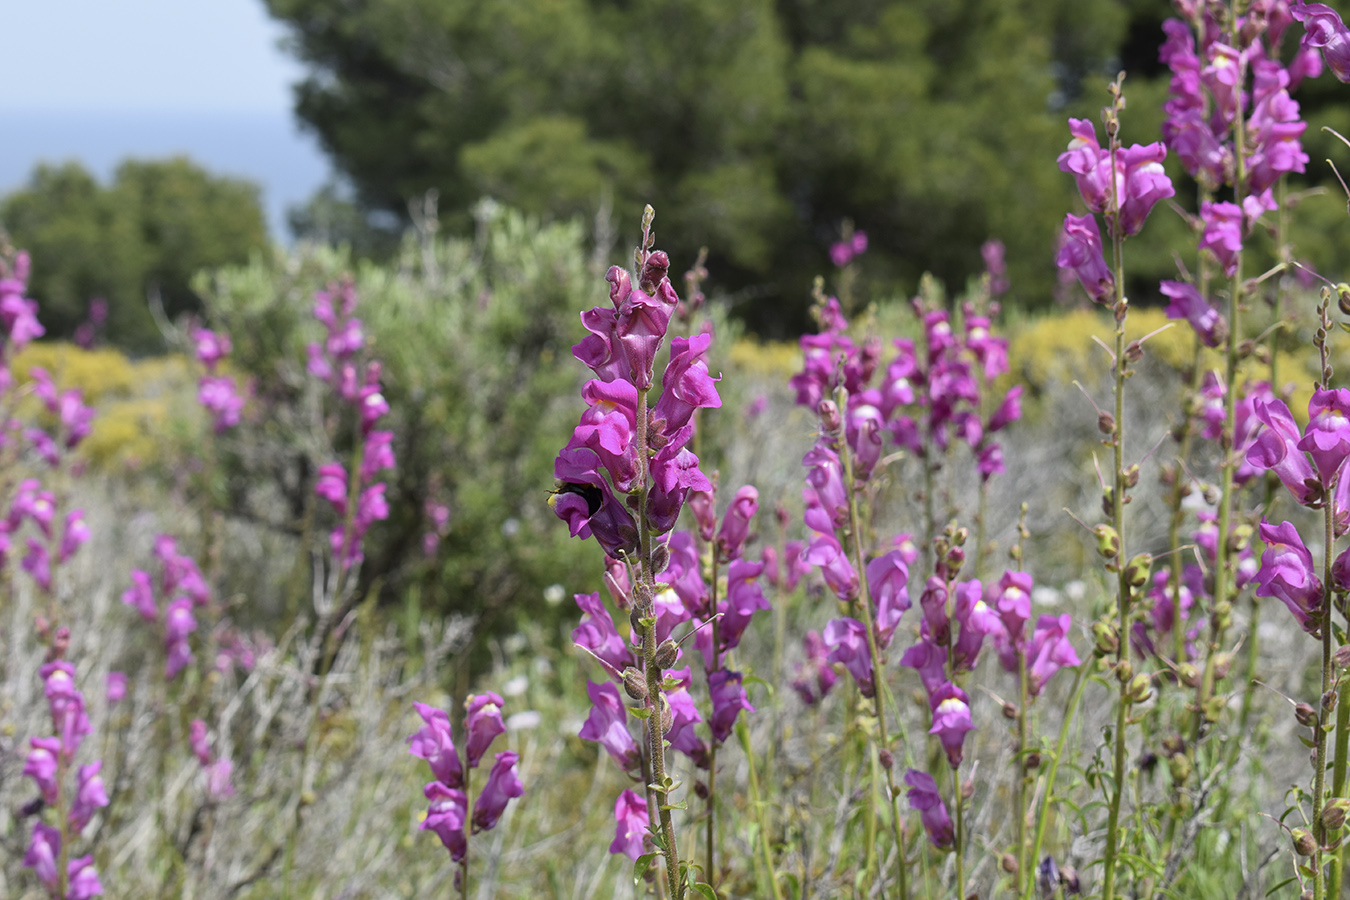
x: 101, y: 80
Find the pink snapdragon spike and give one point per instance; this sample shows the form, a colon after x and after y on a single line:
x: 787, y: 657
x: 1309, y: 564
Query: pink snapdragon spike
x: 1186, y: 303
x: 482, y: 723
x: 1080, y: 251
x: 607, y: 725
x: 631, y: 825
x: 923, y: 795
x: 1324, y: 30
x: 503, y: 785
x: 1288, y: 574
x: 447, y: 815
x: 18, y: 315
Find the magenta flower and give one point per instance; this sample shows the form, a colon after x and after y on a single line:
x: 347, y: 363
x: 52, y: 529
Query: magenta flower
x: 42, y: 765
x: 813, y: 678
x: 923, y: 795
x: 378, y: 456
x: 1050, y: 651
x: 1145, y: 183
x: 847, y: 640
x: 218, y: 395
x: 116, y: 687
x: 684, y: 716
x: 37, y: 563
x: 90, y: 795
x: 82, y: 879
x: 841, y: 253
x: 736, y: 522
x: 1080, y: 250
x: 1187, y: 304
x: 992, y: 252
x: 44, y: 848
x: 447, y: 816
x: 332, y: 486
x: 502, y: 786
x: 219, y: 779
x: 951, y: 720
x: 887, y: 582
x: 1324, y: 30
x: 1287, y: 573
x: 209, y: 346
x: 728, y: 699
x: 482, y: 724
x: 1223, y: 233
x: 1089, y: 163
x: 1278, y: 447
x: 607, y: 725
x: 631, y: 822
x: 178, y: 624
x: 929, y: 660
x: 686, y: 385
x: 587, y: 503
x: 1327, y: 438
x: 141, y: 595
x: 433, y: 742
x: 201, y: 748
x: 597, y: 632
x: 826, y: 553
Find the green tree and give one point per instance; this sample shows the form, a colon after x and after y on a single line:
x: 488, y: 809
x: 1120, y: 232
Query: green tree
x: 157, y: 224
x: 754, y: 127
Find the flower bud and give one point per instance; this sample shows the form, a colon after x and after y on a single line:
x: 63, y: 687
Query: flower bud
x: 956, y: 557
x: 1333, y: 814
x: 1134, y: 351
x: 1304, y: 845
x: 1343, y: 298
x: 1008, y: 863
x: 1342, y: 657
x: 700, y: 790
x: 1068, y: 876
x: 1107, y: 641
x: 666, y: 652
x: 1106, y: 423
x: 1139, y: 689
x: 1124, y: 671
x: 1180, y: 768
x: 960, y: 536
x: 1132, y: 476
x: 1108, y: 541
x: 655, y: 269
x: 1223, y: 664
x: 1137, y: 571
x: 1033, y: 761
x: 886, y: 758
x: 1329, y: 700
x: 1306, y: 715
x: 828, y: 411
x: 635, y: 683
x: 660, y: 557
x: 642, y: 598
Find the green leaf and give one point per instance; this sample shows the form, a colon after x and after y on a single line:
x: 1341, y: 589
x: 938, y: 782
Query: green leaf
x: 704, y: 889
x: 642, y: 712
x: 641, y: 865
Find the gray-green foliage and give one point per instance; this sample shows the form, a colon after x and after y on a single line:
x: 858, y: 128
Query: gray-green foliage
x: 475, y: 337
x: 154, y: 226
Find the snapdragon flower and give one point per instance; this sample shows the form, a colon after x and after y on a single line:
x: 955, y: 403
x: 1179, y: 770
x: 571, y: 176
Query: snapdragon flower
x: 923, y: 795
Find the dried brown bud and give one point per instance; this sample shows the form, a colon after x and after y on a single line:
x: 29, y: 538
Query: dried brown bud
x: 635, y: 683
x: 666, y: 652
x: 886, y: 758
x: 1106, y: 423
x: 1174, y: 744
x: 1008, y: 863
x: 1329, y: 700
x: 700, y: 790
x: 968, y: 789
x: 1009, y: 710
x: 1223, y: 664
x: 1343, y: 297
x: 1033, y: 761
x: 1134, y: 351
x: 660, y: 557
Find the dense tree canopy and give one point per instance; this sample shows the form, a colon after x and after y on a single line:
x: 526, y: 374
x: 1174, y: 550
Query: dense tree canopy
x: 157, y: 224
x: 754, y: 127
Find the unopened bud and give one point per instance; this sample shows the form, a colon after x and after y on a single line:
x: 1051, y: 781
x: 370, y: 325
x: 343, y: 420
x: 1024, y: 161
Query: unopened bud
x: 1033, y: 760
x: 1139, y: 689
x: 1132, y: 476
x: 660, y: 558
x: 700, y: 790
x: 1068, y: 876
x: 1342, y: 657
x: 960, y: 536
x: 886, y: 758
x: 1174, y: 744
x: 1223, y: 664
x: 1008, y: 863
x: 642, y: 598
x: 1333, y: 814
x: 956, y: 557
x: 828, y: 411
x: 1108, y: 541
x: 1106, y: 423
x: 635, y: 683
x: 1189, y: 674
x: 1306, y: 715
x: 968, y: 789
x: 1107, y: 641
x: 666, y: 652
x: 1137, y: 571
x: 1304, y: 845
x: 1180, y: 768
x: 1329, y: 700
x: 1124, y: 671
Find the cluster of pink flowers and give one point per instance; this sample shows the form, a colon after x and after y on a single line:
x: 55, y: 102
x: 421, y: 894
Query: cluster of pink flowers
x: 448, y: 814
x: 18, y: 314
x: 33, y: 504
x: 218, y: 394
x: 183, y: 590
x: 219, y: 770
x: 600, y: 463
x: 1311, y: 465
x: 843, y: 252
x: 49, y: 764
x: 358, y: 505
x: 1123, y: 190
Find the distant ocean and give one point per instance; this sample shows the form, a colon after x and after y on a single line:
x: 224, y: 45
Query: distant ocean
x: 266, y: 148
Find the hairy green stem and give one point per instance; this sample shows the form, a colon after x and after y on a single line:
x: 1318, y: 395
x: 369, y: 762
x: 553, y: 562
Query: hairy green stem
x: 1320, y: 739
x: 743, y: 733
x: 1043, y: 816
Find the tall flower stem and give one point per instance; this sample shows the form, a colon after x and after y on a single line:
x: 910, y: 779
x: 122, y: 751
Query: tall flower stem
x: 743, y: 733
x: 1043, y: 817
x: 1320, y: 741
x: 1020, y: 783
x: 468, y: 812
x: 712, y: 745
x: 878, y: 671
x: 1119, y: 487
x: 655, y: 729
